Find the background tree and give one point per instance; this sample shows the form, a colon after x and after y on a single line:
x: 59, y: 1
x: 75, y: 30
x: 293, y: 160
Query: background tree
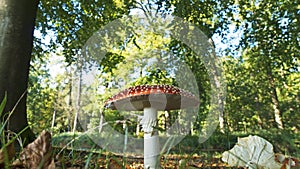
x: 17, y: 38
x: 16, y: 29
x: 262, y: 71
x: 42, y: 96
x: 271, y: 45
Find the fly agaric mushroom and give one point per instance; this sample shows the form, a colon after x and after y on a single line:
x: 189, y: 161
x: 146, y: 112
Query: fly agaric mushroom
x: 150, y: 99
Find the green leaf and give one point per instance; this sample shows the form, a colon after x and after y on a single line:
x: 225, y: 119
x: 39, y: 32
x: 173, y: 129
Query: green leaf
x: 3, y: 103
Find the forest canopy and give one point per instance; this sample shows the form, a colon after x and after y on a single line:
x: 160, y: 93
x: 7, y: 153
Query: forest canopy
x: 256, y: 41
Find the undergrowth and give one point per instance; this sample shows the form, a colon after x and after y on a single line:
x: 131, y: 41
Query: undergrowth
x: 78, y: 149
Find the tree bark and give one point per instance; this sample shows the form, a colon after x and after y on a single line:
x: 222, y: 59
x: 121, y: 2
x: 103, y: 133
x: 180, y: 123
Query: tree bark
x: 274, y: 95
x: 16, y: 42
x: 275, y: 101
x: 69, y: 106
x: 78, y: 99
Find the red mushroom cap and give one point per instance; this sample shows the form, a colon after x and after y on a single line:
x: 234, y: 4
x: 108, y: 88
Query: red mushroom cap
x: 160, y: 97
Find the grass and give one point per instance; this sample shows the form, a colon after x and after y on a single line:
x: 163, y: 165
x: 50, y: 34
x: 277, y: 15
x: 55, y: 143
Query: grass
x: 77, y: 149
x: 187, y: 152
x: 8, y: 138
x: 173, y: 156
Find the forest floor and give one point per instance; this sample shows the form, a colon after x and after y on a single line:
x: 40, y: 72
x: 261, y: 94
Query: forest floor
x: 72, y: 159
x: 83, y: 153
x: 41, y: 153
x: 76, y: 151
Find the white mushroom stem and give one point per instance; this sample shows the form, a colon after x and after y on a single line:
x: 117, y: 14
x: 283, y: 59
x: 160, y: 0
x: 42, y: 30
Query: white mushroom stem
x: 151, y: 139
x: 159, y: 97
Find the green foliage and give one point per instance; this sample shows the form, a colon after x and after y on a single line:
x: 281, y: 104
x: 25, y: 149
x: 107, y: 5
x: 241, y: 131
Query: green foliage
x: 73, y: 22
x: 3, y: 137
x: 289, y: 95
x: 249, y: 102
x: 263, y: 67
x: 155, y: 77
x: 78, y: 140
x: 41, y: 97
x: 70, y: 24
x: 2, y: 105
x: 210, y: 16
x: 257, y: 80
x: 195, y: 64
x: 7, y: 137
x: 110, y: 61
x: 284, y: 141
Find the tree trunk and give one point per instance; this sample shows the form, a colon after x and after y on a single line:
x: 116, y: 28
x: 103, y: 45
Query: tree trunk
x: 16, y: 42
x: 275, y: 101
x: 69, y: 106
x: 78, y: 100
x: 53, y: 119
x: 137, y: 131
x: 101, y: 122
x: 221, y: 122
x: 274, y: 96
